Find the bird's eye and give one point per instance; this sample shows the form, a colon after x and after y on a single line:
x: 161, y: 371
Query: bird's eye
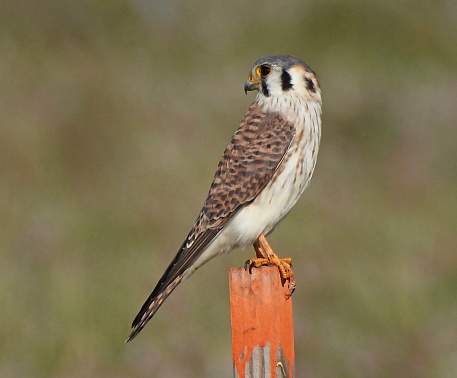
x: 263, y: 70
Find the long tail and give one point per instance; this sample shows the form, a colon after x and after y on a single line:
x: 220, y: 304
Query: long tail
x: 151, y: 306
x: 181, y: 266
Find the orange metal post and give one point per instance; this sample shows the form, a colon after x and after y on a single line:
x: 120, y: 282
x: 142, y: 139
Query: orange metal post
x: 262, y: 325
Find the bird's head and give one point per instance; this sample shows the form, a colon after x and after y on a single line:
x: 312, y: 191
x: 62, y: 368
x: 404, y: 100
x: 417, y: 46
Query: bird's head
x: 279, y: 75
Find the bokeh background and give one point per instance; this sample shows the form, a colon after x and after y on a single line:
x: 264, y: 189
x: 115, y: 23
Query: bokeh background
x: 113, y: 116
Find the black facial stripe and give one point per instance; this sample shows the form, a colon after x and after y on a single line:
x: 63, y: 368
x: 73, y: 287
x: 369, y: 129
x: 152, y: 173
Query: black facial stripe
x: 310, y: 85
x: 264, y: 86
x: 286, y: 81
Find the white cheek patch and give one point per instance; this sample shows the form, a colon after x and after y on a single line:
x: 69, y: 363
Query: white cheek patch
x: 274, y: 84
x: 298, y: 80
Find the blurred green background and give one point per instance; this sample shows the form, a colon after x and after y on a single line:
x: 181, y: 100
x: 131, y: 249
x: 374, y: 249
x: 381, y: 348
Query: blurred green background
x: 113, y: 118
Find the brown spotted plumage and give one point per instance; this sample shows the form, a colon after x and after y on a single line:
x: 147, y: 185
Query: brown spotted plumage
x: 248, y: 164
x: 262, y: 173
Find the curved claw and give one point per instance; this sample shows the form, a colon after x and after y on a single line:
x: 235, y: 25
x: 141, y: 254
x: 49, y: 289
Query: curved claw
x: 266, y: 256
x: 256, y: 263
x: 249, y: 265
x: 284, y: 268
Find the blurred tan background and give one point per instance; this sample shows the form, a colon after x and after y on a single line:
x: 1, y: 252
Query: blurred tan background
x: 113, y: 116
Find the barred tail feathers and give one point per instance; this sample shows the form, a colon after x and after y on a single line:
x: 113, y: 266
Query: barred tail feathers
x: 151, y: 306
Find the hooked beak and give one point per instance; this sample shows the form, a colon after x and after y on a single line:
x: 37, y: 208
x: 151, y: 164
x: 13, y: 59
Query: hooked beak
x: 250, y: 84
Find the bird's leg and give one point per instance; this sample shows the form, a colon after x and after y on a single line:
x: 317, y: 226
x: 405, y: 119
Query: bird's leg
x: 266, y: 256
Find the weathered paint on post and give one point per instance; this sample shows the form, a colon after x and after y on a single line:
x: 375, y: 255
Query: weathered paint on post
x: 262, y: 324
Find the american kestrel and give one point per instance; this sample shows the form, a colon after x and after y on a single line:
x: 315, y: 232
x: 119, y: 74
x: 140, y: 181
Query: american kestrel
x: 264, y: 169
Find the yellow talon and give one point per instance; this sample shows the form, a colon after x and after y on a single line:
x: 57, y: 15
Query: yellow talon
x: 266, y: 256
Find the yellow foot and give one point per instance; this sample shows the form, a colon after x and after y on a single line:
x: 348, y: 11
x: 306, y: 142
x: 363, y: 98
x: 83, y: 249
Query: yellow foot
x: 266, y: 256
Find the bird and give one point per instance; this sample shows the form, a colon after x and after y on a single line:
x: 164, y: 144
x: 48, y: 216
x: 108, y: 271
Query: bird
x: 263, y: 171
